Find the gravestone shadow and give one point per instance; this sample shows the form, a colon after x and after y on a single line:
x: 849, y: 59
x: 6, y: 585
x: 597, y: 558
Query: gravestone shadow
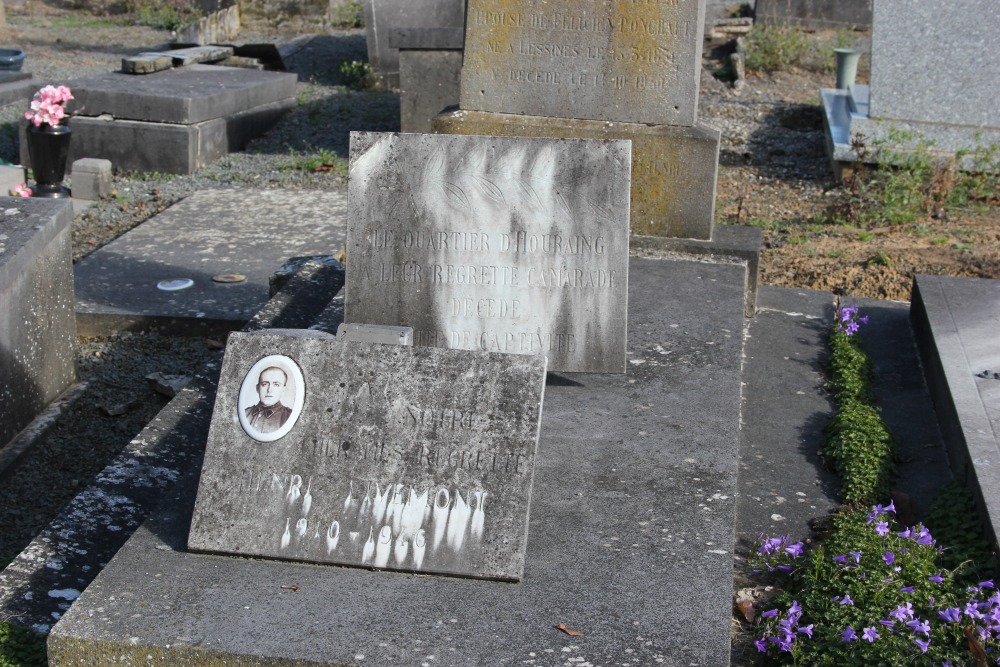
x: 789, y: 145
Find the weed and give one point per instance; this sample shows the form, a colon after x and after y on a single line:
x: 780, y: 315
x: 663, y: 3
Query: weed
x: 834, y: 254
x: 880, y: 258
x: 958, y: 245
x: 347, y: 14
x: 169, y: 15
x: 939, y: 240
x: 771, y: 49
x: 865, y: 237
x: 321, y: 160
x: 904, y: 185
x: 356, y: 74
x: 21, y: 647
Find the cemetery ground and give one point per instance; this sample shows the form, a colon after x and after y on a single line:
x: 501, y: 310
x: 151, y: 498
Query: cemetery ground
x: 773, y: 174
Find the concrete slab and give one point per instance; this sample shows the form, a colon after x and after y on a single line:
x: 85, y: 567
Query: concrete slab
x: 185, y: 96
x: 956, y: 321
x: 17, y: 89
x: 213, y: 232
x: 630, y: 539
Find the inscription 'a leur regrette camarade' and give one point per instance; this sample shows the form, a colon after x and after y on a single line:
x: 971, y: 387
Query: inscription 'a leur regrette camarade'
x: 500, y: 244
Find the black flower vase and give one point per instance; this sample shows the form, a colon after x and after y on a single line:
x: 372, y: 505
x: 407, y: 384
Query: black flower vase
x: 48, y: 150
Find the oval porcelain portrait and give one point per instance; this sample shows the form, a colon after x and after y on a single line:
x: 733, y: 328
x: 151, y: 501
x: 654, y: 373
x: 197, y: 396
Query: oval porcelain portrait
x: 271, y: 398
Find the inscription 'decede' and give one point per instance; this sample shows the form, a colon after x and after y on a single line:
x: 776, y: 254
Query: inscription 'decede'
x: 498, y: 244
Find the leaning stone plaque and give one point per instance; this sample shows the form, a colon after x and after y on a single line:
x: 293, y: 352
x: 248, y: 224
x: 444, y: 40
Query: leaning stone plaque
x: 381, y: 456
x: 636, y: 62
x: 502, y: 244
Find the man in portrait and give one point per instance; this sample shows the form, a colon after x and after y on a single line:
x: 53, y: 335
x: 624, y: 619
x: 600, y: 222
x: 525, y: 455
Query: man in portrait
x: 269, y: 414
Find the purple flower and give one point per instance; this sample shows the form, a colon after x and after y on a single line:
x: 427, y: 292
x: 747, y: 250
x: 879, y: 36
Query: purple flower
x: 761, y: 644
x: 795, y: 550
x: 840, y: 559
x: 807, y: 630
x: 881, y: 528
x: 937, y: 578
x: 986, y: 584
x: 870, y: 635
x: 770, y: 613
x: 889, y: 558
x: 951, y: 614
x: 888, y: 624
x: 972, y: 610
x: 847, y: 600
x: 902, y: 612
x: 795, y: 608
x: 918, y: 625
x: 848, y: 635
x: 857, y: 556
x: 922, y: 644
x: 906, y: 589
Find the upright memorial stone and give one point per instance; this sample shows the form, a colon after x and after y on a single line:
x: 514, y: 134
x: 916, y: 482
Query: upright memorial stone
x: 604, y: 70
x: 928, y: 86
x: 493, y: 243
x: 375, y: 455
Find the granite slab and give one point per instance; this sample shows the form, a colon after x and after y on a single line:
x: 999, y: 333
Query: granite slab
x: 956, y: 321
x: 504, y: 244
x: 211, y: 233
x: 630, y: 538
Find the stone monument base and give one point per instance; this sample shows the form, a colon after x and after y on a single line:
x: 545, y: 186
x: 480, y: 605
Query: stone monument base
x: 674, y: 168
x: 847, y: 122
x: 38, y: 328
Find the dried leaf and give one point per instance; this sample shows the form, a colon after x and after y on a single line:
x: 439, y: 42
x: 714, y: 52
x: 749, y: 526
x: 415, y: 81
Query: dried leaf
x: 746, y: 608
x: 297, y: 589
x: 324, y: 167
x: 569, y: 631
x: 213, y: 344
x: 975, y: 648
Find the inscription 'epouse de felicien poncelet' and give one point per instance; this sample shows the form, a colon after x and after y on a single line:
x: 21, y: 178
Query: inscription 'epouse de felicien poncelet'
x: 500, y: 244
x: 574, y: 59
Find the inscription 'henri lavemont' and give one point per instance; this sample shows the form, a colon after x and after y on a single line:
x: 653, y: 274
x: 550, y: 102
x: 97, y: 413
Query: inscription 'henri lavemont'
x: 517, y: 243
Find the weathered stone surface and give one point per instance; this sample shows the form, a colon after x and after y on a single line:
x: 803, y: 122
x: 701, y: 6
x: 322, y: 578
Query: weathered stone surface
x: 11, y: 176
x: 634, y: 62
x: 382, y: 17
x: 37, y: 326
x: 250, y: 232
x: 218, y: 27
x: 169, y: 147
x: 17, y: 88
x: 375, y: 333
x: 186, y: 95
x: 815, y: 14
x: 674, y: 169
x: 428, y: 82
x: 91, y: 178
x: 146, y: 63
x: 382, y: 456
x: 503, y: 244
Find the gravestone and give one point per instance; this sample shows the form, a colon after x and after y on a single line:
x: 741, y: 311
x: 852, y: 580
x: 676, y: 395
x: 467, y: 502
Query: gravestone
x: 928, y: 86
x: 815, y: 14
x: 175, y: 121
x: 600, y: 70
x: 502, y: 244
x: 382, y: 17
x: 382, y: 456
x: 37, y: 326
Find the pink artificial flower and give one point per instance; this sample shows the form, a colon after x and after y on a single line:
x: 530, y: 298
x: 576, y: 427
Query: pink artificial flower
x: 47, y: 105
x: 21, y: 190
